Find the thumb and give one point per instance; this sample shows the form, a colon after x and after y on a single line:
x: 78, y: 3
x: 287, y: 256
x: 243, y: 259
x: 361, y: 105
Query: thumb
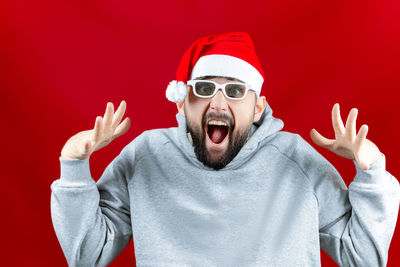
x: 318, y: 139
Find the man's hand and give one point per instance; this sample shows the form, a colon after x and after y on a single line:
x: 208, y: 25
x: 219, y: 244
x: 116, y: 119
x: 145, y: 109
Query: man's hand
x: 346, y: 143
x: 83, y: 144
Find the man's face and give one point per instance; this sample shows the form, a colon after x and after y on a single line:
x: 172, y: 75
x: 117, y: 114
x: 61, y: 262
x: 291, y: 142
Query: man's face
x: 216, y: 145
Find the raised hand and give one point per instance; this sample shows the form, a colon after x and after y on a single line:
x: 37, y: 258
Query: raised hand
x: 83, y: 144
x: 347, y: 143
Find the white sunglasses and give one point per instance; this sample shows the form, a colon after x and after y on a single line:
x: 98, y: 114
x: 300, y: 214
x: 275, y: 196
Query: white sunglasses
x: 208, y: 88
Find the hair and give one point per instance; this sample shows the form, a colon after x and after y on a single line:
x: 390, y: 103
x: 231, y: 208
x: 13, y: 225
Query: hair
x: 236, y: 142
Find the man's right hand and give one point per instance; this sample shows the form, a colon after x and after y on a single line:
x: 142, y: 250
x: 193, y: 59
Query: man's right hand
x: 83, y: 144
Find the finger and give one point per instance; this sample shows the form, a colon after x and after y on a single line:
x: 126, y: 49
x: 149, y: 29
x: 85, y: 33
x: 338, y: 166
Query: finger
x: 320, y: 140
x: 337, y: 122
x: 351, y: 124
x: 361, y: 136
x: 98, y: 126
x: 122, y: 128
x: 108, y: 115
x: 119, y: 114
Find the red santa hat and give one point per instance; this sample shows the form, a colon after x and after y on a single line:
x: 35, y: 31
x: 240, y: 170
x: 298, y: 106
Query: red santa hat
x: 228, y: 54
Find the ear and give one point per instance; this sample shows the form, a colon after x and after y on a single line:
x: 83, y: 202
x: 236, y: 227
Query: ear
x: 180, y: 106
x: 259, y: 108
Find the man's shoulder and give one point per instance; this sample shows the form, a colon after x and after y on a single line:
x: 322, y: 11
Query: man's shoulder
x: 283, y: 140
x: 150, y: 141
x: 296, y: 148
x: 290, y: 144
x: 157, y: 136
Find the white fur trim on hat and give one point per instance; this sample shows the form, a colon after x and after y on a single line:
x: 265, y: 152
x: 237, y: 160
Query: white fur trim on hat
x: 228, y: 66
x: 176, y: 91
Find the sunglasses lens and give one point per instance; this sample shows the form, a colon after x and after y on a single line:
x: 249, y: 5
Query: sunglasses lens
x: 204, y: 88
x: 235, y: 90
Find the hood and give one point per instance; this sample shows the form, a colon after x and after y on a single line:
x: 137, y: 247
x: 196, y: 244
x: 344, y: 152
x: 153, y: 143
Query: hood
x: 260, y: 130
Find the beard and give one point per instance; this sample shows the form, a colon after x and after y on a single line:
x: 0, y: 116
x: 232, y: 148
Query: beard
x: 237, y: 140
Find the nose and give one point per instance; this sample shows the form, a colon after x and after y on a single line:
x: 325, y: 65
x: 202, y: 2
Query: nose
x: 218, y: 102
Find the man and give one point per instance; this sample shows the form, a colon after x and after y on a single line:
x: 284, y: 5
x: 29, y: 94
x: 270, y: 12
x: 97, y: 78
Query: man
x: 226, y: 187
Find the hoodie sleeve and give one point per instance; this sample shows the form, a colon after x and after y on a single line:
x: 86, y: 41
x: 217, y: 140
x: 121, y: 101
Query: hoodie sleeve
x: 356, y: 225
x: 92, y: 220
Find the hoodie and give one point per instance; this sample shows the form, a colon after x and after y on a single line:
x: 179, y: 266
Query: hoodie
x: 277, y: 203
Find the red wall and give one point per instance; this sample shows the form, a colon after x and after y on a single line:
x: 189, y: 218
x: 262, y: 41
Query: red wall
x: 61, y: 61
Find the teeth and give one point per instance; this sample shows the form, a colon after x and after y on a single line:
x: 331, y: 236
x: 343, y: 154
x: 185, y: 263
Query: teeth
x: 220, y: 123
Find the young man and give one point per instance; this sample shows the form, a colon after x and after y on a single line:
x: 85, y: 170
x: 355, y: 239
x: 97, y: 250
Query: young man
x: 226, y: 187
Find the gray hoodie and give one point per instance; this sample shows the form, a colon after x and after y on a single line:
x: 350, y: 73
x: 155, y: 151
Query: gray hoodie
x: 275, y: 204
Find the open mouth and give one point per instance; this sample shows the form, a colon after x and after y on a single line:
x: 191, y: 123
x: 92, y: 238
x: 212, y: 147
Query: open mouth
x: 217, y: 131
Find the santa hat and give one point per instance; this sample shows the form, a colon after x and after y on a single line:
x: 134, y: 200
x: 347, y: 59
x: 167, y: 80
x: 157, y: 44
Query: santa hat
x: 228, y: 54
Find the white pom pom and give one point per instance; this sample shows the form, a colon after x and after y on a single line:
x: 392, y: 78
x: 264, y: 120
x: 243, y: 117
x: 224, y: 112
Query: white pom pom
x: 176, y: 91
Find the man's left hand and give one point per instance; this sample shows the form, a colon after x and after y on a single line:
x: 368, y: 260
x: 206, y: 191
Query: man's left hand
x: 347, y: 143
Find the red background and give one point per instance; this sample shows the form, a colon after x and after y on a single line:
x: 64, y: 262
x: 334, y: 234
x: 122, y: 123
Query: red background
x: 61, y: 61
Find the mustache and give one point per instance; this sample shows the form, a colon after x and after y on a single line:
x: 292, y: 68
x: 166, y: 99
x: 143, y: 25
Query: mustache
x: 218, y: 116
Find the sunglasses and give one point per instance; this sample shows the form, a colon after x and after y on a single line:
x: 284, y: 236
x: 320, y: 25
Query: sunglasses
x: 207, y: 89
